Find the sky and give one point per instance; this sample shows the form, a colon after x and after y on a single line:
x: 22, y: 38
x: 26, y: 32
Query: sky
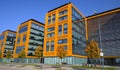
x: 14, y: 12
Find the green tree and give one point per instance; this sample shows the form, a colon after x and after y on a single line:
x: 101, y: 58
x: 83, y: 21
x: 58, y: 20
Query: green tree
x: 21, y: 54
x: 61, y: 52
x: 39, y: 52
x: 9, y: 55
x: 92, y: 50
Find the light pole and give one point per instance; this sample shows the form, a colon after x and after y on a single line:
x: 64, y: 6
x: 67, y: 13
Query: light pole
x: 101, y: 52
x: 102, y: 59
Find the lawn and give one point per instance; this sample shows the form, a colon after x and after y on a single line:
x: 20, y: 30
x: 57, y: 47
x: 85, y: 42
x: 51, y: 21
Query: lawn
x: 106, y: 68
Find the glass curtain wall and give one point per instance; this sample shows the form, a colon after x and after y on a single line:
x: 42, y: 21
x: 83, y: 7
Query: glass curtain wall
x: 78, y: 33
x: 36, y: 38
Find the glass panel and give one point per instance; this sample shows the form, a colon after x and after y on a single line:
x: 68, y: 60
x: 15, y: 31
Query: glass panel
x: 62, y: 12
x: 19, y: 48
x: 18, y: 41
x: 49, y: 19
x: 59, y: 29
x: 23, y: 29
x: 63, y: 18
x: 24, y: 38
x: 53, y: 18
x: 62, y: 41
x: 65, y: 28
x: 52, y: 46
x: 47, y: 46
x: 1, y: 37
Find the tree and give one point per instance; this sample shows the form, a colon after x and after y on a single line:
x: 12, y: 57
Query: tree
x: 21, y: 54
x: 0, y: 54
x: 61, y: 53
x: 92, y: 50
x: 9, y: 54
x: 39, y: 52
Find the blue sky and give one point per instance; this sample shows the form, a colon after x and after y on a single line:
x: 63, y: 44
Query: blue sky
x: 14, y: 12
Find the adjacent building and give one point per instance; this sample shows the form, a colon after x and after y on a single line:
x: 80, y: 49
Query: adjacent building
x: 109, y: 23
x: 30, y: 35
x: 65, y: 26
x: 7, y: 41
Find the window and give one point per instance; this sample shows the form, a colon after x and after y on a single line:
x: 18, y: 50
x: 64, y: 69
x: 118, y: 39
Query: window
x: 63, y: 18
x: 52, y: 46
x: 50, y: 34
x: 49, y: 19
x: 47, y: 46
x: 53, y: 18
x: 23, y: 29
x: 65, y: 47
x: 62, y: 41
x: 75, y: 15
x: 24, y: 38
x: 51, y: 29
x: 18, y: 41
x: 65, y: 28
x: 37, y: 27
x: 59, y: 29
x: 19, y: 48
x: 11, y: 35
x: 62, y: 12
x: 1, y: 37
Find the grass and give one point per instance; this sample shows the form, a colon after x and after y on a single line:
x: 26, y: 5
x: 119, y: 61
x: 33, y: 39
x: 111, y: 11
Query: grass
x: 60, y: 69
x: 106, y: 68
x: 23, y: 65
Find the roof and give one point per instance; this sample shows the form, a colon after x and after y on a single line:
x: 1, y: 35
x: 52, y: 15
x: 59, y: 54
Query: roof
x: 59, y: 6
x: 34, y: 20
x: 103, y: 12
x: 9, y: 30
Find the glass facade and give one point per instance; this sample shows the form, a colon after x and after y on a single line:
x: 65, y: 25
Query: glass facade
x: 10, y: 42
x: 68, y: 60
x: 78, y: 33
x: 110, y: 33
x: 36, y: 38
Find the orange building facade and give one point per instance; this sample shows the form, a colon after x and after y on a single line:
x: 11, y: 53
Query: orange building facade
x: 65, y: 26
x: 7, y: 41
x: 30, y: 35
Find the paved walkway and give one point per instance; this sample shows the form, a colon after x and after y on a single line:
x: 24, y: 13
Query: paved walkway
x: 32, y: 67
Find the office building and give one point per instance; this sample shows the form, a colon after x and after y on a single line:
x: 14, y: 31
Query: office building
x: 7, y: 41
x: 65, y: 26
x: 109, y: 23
x: 30, y: 35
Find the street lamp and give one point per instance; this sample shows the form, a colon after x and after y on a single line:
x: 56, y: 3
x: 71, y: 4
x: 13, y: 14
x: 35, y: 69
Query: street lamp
x: 102, y: 59
x: 101, y: 52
